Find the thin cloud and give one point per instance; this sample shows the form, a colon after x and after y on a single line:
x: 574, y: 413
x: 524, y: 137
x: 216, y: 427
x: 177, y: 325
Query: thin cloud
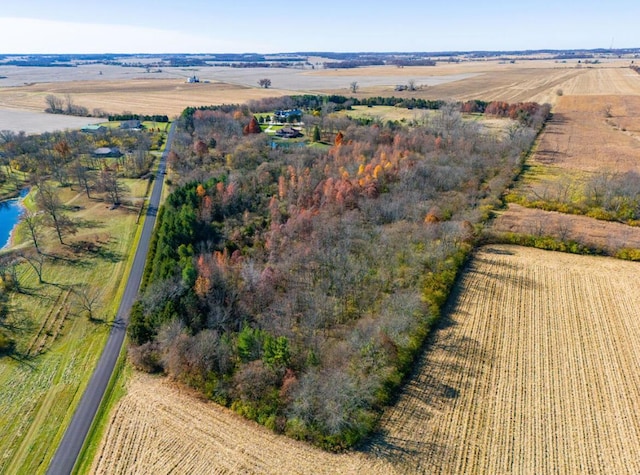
x: 35, y: 36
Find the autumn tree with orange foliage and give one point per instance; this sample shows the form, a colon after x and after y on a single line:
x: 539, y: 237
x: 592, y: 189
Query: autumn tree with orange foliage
x: 253, y: 127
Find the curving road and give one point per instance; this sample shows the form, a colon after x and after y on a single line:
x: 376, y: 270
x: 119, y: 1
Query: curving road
x: 73, y: 439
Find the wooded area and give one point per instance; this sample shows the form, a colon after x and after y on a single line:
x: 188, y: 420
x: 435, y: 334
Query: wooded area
x: 296, y: 285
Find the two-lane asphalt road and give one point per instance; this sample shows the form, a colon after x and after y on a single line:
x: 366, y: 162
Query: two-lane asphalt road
x: 73, y: 439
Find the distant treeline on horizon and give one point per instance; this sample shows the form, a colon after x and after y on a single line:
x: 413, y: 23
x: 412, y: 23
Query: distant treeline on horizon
x: 293, y: 59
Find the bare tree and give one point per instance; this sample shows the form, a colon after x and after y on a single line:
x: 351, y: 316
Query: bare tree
x: 56, y: 105
x: 48, y: 201
x: 33, y: 222
x: 265, y: 82
x: 411, y: 84
x: 354, y: 86
x: 110, y: 183
x: 83, y: 176
x: 87, y: 298
x: 36, y: 261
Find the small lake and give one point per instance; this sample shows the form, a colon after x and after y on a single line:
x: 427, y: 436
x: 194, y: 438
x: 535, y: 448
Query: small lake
x: 10, y: 212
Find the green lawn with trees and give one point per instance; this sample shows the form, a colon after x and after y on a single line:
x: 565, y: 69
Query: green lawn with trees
x: 62, y: 278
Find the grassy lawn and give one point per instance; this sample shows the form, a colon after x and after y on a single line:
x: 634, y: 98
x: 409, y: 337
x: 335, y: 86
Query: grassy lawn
x: 385, y: 113
x: 11, y: 186
x: 57, y: 344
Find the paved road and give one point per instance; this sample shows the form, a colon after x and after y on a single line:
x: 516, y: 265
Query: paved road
x: 67, y: 453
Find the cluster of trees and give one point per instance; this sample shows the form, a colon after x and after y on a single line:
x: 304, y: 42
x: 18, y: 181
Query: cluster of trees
x: 354, y: 63
x: 402, y: 62
x: 66, y: 159
x: 53, y: 154
x: 529, y: 112
x: 64, y: 105
x: 149, y: 118
x: 297, y: 285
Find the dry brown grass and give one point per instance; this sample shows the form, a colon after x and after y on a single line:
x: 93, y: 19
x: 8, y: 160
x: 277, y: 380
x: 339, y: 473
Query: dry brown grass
x: 588, y: 231
x: 583, y: 137
x: 146, y: 96
x: 595, y: 129
x: 533, y: 371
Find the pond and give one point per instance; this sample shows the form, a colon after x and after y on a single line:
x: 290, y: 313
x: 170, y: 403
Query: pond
x: 10, y: 213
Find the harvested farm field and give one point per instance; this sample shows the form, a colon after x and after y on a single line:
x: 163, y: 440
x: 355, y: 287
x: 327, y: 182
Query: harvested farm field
x: 593, y: 133
x: 533, y: 370
x: 117, y: 89
x: 32, y: 122
x: 160, y: 427
x: 147, y: 96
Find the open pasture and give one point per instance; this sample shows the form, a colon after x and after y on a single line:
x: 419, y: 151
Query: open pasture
x: 57, y: 345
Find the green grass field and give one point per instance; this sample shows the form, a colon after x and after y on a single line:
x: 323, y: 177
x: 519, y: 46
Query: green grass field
x: 385, y: 113
x: 57, y: 344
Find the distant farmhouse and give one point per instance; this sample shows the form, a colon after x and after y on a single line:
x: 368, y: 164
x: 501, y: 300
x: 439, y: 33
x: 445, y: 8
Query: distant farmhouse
x: 133, y: 124
x: 290, y: 115
x: 288, y: 133
x: 193, y: 79
x: 107, y: 152
x: 93, y: 128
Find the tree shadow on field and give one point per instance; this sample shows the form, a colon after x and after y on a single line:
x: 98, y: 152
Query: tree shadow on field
x: 449, y: 366
x: 84, y: 223
x: 95, y: 249
x: 505, y: 273
x: 558, y: 118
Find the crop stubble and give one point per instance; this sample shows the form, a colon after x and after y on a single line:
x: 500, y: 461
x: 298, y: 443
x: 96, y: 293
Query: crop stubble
x: 532, y: 371
x: 160, y: 427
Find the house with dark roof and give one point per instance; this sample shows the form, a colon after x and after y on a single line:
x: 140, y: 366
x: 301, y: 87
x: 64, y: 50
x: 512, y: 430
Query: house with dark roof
x: 290, y: 115
x: 131, y: 124
x: 288, y: 133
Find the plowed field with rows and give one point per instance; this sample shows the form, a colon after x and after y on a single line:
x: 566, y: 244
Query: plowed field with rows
x: 533, y: 370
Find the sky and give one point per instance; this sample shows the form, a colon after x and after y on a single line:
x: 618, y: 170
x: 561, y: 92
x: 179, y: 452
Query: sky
x: 210, y: 26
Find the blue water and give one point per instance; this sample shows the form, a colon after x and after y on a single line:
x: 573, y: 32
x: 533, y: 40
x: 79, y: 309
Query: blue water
x: 10, y: 212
